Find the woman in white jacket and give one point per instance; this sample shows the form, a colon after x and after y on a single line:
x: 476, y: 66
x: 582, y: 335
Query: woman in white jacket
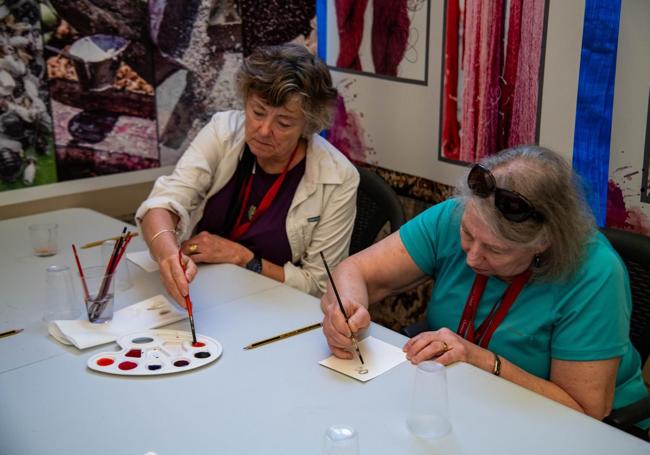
x: 259, y: 188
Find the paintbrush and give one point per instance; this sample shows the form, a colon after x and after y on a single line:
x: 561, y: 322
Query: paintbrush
x: 338, y: 299
x: 99, y: 242
x: 282, y: 336
x: 188, y: 301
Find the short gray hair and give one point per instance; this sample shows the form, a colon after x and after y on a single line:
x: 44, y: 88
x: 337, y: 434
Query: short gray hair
x: 276, y: 73
x: 549, y: 183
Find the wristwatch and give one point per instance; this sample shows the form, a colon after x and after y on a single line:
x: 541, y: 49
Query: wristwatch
x: 255, y: 264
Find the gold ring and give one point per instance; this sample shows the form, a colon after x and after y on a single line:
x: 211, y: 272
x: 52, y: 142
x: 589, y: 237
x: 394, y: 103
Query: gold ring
x: 193, y: 248
x: 445, y: 347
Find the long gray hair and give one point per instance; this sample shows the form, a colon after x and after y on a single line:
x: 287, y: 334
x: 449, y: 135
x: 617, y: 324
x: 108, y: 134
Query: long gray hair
x: 550, y: 184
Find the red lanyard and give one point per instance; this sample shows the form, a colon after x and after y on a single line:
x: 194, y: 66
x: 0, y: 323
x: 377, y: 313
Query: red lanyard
x: 241, y: 227
x: 485, y: 331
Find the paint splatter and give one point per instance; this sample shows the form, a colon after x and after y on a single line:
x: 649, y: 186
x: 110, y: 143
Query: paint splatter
x: 347, y: 132
x: 622, y: 217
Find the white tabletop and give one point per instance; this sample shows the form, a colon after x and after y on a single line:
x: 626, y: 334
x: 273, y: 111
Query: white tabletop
x: 273, y: 399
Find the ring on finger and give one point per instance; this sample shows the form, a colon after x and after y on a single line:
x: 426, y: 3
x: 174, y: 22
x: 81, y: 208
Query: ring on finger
x: 193, y: 248
x: 445, y: 346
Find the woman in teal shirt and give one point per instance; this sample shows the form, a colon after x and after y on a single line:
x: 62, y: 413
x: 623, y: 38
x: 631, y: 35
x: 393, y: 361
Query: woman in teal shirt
x: 526, y: 287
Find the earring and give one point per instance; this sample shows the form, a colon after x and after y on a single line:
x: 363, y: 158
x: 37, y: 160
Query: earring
x: 537, y: 261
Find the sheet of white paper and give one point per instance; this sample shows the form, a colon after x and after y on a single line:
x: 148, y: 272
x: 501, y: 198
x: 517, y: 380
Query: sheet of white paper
x: 143, y: 259
x: 378, y: 356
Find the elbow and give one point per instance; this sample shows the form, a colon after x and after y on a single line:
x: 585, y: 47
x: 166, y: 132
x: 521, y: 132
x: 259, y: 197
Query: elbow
x: 599, y: 411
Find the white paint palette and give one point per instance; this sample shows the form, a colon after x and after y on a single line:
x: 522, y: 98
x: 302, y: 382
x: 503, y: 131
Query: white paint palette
x: 153, y: 352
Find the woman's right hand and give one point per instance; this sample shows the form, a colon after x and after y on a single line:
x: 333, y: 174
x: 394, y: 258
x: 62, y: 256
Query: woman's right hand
x: 335, y: 328
x: 171, y: 274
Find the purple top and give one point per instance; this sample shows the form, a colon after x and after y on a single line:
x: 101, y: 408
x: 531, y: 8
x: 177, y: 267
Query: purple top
x: 267, y: 236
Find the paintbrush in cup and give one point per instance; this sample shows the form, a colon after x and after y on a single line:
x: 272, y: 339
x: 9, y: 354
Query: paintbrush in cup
x: 338, y: 299
x: 188, y: 301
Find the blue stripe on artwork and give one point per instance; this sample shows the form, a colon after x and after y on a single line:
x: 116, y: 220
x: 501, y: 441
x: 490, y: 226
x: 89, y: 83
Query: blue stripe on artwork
x: 593, y: 126
x: 321, y: 24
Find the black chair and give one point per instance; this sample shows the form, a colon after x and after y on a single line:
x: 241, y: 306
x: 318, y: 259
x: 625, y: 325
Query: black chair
x: 377, y: 203
x: 634, y: 249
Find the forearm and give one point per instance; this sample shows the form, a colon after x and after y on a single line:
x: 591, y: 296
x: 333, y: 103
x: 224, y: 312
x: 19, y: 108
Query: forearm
x: 513, y: 373
x: 350, y: 284
x: 158, y: 230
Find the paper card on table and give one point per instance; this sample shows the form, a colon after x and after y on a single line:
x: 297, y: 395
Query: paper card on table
x: 147, y: 314
x: 378, y: 356
x: 143, y: 259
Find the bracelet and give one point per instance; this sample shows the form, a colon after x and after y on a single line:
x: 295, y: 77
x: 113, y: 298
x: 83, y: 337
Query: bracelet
x: 162, y: 231
x: 496, y: 370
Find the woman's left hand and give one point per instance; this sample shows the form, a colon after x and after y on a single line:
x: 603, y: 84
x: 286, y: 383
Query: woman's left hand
x: 443, y: 345
x: 214, y: 249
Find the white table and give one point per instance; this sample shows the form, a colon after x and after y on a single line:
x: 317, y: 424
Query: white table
x: 273, y: 399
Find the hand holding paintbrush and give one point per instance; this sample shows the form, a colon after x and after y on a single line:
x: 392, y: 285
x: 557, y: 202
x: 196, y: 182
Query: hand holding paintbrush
x: 347, y: 320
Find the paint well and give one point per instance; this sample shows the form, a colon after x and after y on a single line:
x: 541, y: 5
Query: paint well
x: 198, y: 344
x: 181, y: 363
x: 154, y: 367
x: 142, y: 340
x: 127, y: 365
x: 202, y: 355
x: 134, y: 353
x: 105, y: 361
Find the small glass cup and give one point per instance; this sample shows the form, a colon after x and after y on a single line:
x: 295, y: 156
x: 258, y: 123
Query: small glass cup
x: 429, y: 414
x: 341, y: 440
x: 44, y: 239
x: 98, y: 289
x: 60, y: 298
x: 122, y: 272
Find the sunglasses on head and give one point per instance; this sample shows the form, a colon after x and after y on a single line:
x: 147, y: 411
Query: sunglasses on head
x: 512, y: 205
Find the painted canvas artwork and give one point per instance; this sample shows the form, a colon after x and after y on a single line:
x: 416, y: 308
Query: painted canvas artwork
x: 100, y: 76
x: 492, y: 69
x: 26, y: 145
x: 201, y: 45
x: 383, y: 38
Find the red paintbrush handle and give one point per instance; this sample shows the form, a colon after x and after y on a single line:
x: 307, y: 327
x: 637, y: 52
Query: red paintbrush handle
x: 188, y: 302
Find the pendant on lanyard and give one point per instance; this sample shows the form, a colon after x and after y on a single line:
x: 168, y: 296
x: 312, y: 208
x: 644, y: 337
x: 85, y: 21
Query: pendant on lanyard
x: 485, y: 331
x: 241, y: 227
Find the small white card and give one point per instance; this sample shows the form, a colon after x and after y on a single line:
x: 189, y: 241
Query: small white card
x: 143, y: 259
x: 378, y: 357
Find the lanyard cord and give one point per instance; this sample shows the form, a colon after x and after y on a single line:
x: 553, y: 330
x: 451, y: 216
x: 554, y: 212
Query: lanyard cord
x: 241, y: 227
x: 483, y: 335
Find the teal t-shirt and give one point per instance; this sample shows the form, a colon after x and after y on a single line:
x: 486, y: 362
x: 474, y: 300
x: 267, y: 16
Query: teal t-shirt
x: 585, y: 318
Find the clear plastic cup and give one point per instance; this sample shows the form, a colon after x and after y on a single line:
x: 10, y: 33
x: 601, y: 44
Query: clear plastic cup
x: 341, y: 440
x: 44, y: 239
x: 60, y: 299
x: 98, y: 288
x: 429, y: 414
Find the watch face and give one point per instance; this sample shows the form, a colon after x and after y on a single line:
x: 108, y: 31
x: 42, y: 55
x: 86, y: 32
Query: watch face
x: 255, y: 264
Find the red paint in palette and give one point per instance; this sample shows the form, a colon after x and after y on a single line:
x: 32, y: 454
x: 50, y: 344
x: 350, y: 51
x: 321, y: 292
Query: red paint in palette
x: 198, y: 344
x: 134, y: 353
x: 127, y: 365
x: 181, y: 363
x: 104, y: 362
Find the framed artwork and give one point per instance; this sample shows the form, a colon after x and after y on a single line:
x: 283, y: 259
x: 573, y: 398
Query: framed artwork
x: 380, y: 38
x: 492, y: 68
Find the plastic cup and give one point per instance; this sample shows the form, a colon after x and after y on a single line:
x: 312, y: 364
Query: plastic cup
x: 341, y: 440
x: 44, y: 239
x: 60, y: 297
x: 98, y: 294
x: 429, y: 414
